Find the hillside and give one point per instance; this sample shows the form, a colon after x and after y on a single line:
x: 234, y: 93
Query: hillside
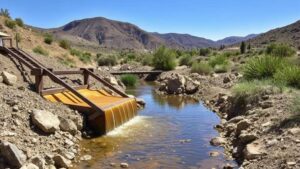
x: 289, y: 34
x: 235, y: 39
x: 106, y: 33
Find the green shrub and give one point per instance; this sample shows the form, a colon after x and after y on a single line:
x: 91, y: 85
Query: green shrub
x: 19, y: 22
x: 201, y: 68
x: 64, y: 44
x: 129, y: 80
x: 18, y: 37
x: 107, y: 60
x: 147, y: 60
x: 289, y: 76
x: 48, y: 39
x: 4, y: 13
x: 280, y: 50
x: 204, y: 51
x: 250, y: 91
x: 65, y: 60
x: 164, y: 59
x: 85, y: 57
x: 219, y: 63
x: 10, y: 23
x: 262, y: 67
x: 41, y: 51
x: 185, y: 60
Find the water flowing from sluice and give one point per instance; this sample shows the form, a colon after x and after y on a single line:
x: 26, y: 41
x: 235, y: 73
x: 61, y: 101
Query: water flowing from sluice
x: 171, y: 132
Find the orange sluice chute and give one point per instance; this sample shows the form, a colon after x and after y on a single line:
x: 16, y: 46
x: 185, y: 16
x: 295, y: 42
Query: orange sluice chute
x: 117, y: 110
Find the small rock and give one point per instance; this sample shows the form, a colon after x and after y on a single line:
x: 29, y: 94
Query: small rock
x: 217, y: 141
x: 69, y: 155
x: 294, y: 131
x: 124, y: 165
x: 29, y: 166
x: 68, y: 126
x: 236, y: 119
x: 45, y: 120
x: 252, y: 151
x: 38, y: 161
x: 266, y: 124
x: 214, y: 154
x: 141, y: 101
x: 12, y: 154
x: 86, y: 158
x: 243, y: 125
x: 272, y: 142
x: 8, y: 78
x: 291, y: 163
x: 266, y: 104
x: 15, y: 108
x: 61, y: 162
x: 1, y: 79
x: 69, y: 142
x: 226, y: 79
x: 112, y: 164
x: 228, y: 166
x: 247, y: 137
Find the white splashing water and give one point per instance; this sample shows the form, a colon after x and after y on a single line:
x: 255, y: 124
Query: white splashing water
x: 126, y: 128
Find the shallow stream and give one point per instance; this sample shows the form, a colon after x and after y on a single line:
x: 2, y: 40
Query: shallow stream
x: 170, y: 132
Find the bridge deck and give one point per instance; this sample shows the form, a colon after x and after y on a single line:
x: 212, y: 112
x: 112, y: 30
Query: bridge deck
x: 154, y: 72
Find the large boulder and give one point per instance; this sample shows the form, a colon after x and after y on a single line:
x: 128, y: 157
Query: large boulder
x: 243, y: 125
x: 68, y: 126
x: 8, y: 78
x: 12, y: 154
x: 175, y: 84
x: 45, y: 120
x: 191, y: 87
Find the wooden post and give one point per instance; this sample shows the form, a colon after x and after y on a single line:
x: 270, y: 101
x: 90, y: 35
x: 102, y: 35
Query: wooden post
x: 39, y: 86
x: 86, y: 78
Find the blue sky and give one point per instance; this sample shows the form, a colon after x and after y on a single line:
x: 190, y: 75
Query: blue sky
x: 213, y: 19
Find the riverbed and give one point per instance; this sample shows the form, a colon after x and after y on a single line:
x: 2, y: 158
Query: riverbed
x: 170, y: 132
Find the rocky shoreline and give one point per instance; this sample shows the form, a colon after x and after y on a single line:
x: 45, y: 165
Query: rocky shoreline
x: 253, y: 132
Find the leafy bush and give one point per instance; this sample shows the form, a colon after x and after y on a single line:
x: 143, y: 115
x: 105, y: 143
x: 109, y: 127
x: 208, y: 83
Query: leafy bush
x: 19, y: 22
x: 129, y: 80
x: 41, y: 51
x: 10, y: 23
x: 219, y: 63
x: 262, y: 67
x: 48, y: 39
x: 289, y: 76
x: 107, y: 60
x: 204, y: 51
x: 164, y: 59
x: 250, y: 91
x: 201, y: 68
x: 147, y: 60
x: 185, y: 60
x: 85, y: 57
x: 4, y: 13
x: 280, y: 50
x: 64, y: 44
x: 65, y: 60
x: 18, y: 37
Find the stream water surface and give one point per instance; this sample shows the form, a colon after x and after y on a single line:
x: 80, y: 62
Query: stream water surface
x: 170, y: 132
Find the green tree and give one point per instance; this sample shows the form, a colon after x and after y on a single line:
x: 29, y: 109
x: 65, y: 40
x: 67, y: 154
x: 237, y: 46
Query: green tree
x: 48, y: 39
x: 249, y: 46
x: 19, y: 22
x: 5, y: 13
x: 164, y: 59
x: 243, y: 47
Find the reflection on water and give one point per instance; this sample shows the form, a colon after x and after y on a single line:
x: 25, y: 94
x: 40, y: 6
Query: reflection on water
x: 171, y: 132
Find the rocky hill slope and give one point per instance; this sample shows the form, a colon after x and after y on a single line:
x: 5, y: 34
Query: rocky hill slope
x: 289, y: 34
x: 108, y: 33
